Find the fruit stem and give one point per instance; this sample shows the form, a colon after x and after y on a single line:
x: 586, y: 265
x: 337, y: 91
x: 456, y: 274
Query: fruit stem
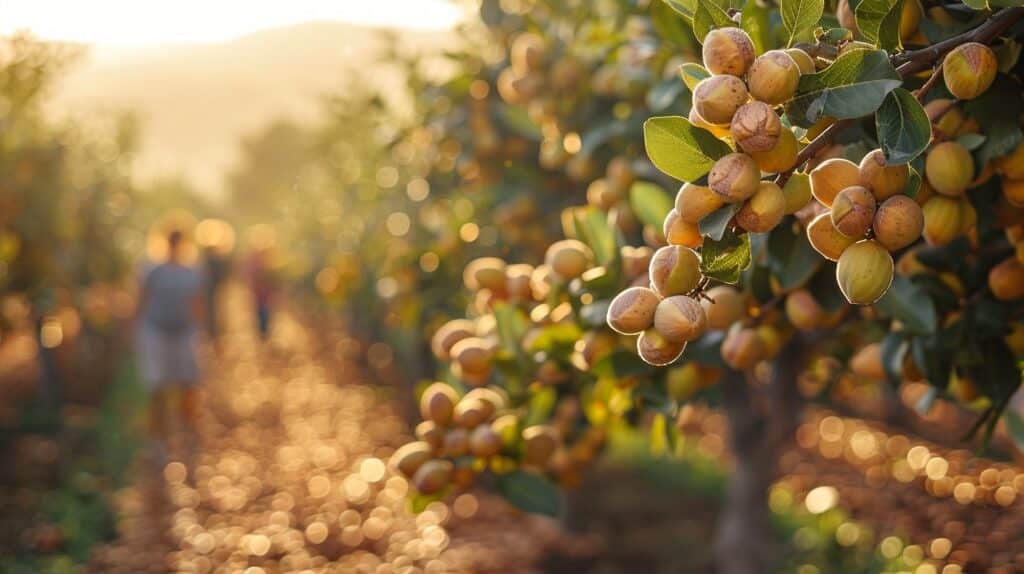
x: 934, y: 79
x: 912, y: 62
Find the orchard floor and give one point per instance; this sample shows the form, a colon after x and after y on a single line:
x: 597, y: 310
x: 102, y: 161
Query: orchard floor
x: 287, y: 473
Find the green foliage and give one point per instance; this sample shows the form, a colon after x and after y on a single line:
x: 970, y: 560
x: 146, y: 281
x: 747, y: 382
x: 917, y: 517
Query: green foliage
x: 530, y: 492
x: 725, y: 259
x: 904, y: 130
x: 879, y: 22
x: 853, y: 86
x: 650, y: 202
x: 800, y: 17
x: 680, y: 149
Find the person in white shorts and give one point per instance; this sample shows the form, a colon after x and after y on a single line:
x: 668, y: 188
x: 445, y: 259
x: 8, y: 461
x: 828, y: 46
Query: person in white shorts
x: 169, y: 315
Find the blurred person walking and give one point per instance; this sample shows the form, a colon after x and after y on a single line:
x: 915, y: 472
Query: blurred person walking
x: 259, y: 275
x: 168, y: 317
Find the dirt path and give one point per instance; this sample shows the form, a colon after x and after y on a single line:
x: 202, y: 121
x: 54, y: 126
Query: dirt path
x: 289, y: 475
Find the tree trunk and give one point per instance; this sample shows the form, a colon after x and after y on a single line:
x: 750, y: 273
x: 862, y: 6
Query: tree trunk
x: 49, y: 375
x: 761, y: 426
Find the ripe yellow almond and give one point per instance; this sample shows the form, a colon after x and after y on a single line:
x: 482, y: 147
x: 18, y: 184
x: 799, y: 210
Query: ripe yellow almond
x: 764, y: 210
x: 437, y: 403
x: 832, y: 176
x: 632, y: 311
x: 728, y: 51
x: 433, y: 476
x: 656, y: 350
x: 1006, y: 280
x: 773, y: 77
x: 864, y: 272
x: 568, y: 258
x: 742, y: 348
x: 949, y: 168
x: 943, y: 220
x: 969, y: 70
x: 853, y: 210
x: 674, y: 270
x: 826, y: 239
x: 724, y: 305
x: 803, y: 310
x: 755, y: 127
x: 883, y: 180
x: 797, y: 191
x: 680, y: 319
x: 410, y: 457
x: 717, y: 98
x: 694, y: 202
x: 803, y: 60
x: 1013, y: 191
x: 450, y: 333
x: 779, y: 158
x: 734, y: 177
x: 867, y: 362
x: 898, y: 222
x: 679, y: 232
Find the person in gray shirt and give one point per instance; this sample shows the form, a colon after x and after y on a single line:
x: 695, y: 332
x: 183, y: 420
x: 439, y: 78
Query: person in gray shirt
x: 169, y: 315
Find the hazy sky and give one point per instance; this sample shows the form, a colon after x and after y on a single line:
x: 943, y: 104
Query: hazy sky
x: 135, y: 22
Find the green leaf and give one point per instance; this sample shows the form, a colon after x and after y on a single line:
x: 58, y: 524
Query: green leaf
x: 659, y: 435
x: 913, y: 183
x: 894, y: 349
x: 530, y: 492
x: 598, y: 234
x: 680, y: 149
x: 511, y: 326
x: 540, y: 407
x: 1002, y: 139
x: 971, y: 141
x: 726, y: 259
x: 714, y: 224
x: 619, y: 364
x: 879, y: 22
x: 910, y: 303
x: 709, y: 16
x: 853, y: 86
x: 800, y: 17
x: 685, y: 8
x: 755, y: 22
x: 517, y: 119
x: 665, y: 93
x: 791, y: 258
x: 650, y: 203
x: 903, y: 127
x: 550, y: 337
x: 671, y: 27
x: 692, y: 73
x: 976, y: 4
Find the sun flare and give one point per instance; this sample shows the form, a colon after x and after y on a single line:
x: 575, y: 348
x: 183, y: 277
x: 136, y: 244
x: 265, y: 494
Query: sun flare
x: 122, y: 22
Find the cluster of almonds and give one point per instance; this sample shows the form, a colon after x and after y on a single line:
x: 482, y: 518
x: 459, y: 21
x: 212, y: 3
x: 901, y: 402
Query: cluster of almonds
x: 744, y: 113
x: 460, y: 438
x: 864, y: 215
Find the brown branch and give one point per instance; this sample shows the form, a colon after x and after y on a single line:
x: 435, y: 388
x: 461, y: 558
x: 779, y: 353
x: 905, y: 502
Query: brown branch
x: 934, y: 79
x: 909, y: 63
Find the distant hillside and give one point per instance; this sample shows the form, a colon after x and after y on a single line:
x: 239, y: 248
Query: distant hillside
x: 195, y: 102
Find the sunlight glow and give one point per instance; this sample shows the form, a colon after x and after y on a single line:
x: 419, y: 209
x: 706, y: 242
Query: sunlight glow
x: 128, y: 22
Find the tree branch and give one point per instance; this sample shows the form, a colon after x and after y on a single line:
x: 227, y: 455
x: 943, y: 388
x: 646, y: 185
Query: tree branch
x: 909, y: 63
